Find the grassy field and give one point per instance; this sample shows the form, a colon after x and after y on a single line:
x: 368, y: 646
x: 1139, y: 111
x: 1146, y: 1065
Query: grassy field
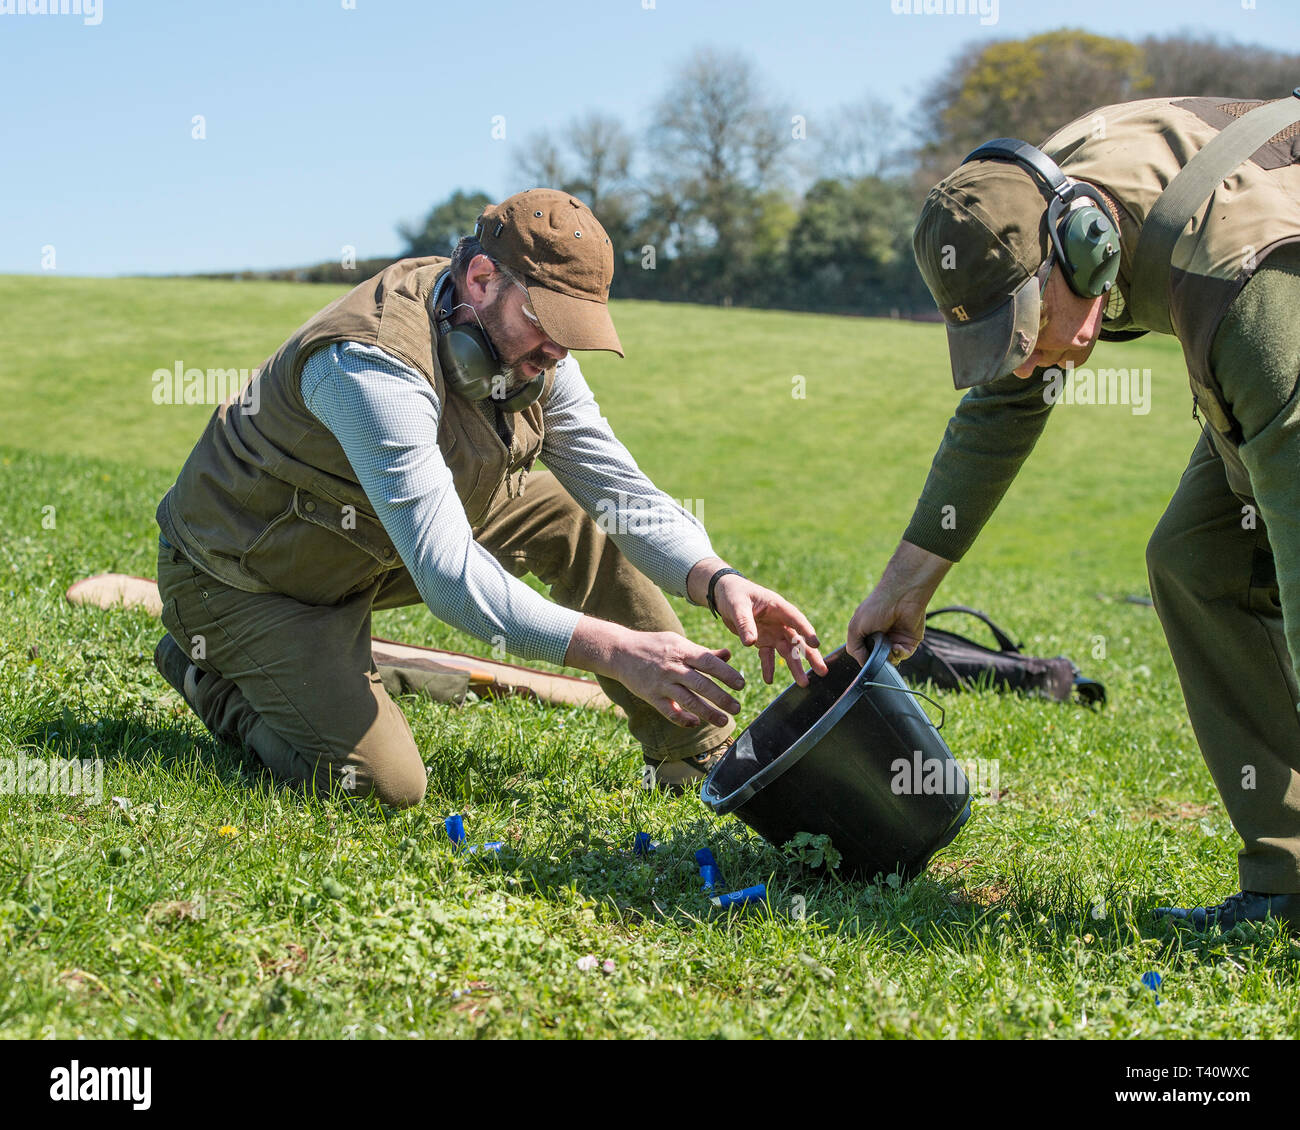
x: 205, y: 902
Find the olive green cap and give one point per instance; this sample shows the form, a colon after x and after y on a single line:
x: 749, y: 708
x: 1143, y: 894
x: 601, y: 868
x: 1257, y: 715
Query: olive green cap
x: 555, y: 242
x: 981, y: 241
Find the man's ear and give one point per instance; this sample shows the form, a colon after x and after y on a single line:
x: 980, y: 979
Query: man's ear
x: 478, y: 275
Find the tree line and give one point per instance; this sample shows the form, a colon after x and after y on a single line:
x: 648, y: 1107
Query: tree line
x: 730, y: 195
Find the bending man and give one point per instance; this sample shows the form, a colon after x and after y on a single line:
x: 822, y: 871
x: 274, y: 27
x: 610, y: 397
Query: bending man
x: 1020, y: 256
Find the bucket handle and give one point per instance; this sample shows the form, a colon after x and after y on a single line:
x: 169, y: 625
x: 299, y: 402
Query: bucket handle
x: 943, y: 714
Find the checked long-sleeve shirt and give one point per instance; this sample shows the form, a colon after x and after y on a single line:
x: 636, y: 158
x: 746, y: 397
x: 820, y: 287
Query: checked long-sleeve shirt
x: 385, y: 416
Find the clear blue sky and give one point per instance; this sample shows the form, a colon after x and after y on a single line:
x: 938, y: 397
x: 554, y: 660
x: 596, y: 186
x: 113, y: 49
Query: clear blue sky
x: 327, y: 124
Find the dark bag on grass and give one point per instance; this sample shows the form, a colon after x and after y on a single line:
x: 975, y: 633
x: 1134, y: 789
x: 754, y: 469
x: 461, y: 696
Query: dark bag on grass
x: 953, y: 662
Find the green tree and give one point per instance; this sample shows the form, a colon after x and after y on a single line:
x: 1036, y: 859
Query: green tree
x: 444, y: 225
x: 1026, y: 88
x: 851, y: 250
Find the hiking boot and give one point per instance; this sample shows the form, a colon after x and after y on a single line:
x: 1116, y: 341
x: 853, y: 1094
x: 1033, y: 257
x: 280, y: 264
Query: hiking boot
x: 674, y: 777
x: 175, y: 666
x: 1244, y: 906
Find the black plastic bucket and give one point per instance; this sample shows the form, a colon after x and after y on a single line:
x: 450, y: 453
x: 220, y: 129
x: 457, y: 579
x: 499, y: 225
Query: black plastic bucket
x: 852, y: 756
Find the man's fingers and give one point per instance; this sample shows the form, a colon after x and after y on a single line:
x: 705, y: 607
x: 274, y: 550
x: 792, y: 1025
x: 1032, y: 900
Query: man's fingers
x: 856, y: 646
x: 745, y: 629
x: 798, y: 621
x: 708, y: 689
x: 815, y: 660
x: 901, y: 648
x: 792, y: 653
x: 712, y: 664
x: 767, y: 656
x: 674, y: 713
x: 908, y: 643
x: 692, y: 703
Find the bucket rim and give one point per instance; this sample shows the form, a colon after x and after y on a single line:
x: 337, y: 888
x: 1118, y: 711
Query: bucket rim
x: 722, y: 805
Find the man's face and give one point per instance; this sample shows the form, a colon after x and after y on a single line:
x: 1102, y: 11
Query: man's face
x: 515, y: 333
x: 1069, y: 330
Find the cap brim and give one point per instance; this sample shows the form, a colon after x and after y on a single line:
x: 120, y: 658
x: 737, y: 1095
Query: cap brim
x: 574, y: 323
x: 998, y: 343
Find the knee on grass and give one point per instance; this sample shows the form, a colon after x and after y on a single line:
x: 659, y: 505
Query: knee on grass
x: 400, y: 783
x: 397, y: 781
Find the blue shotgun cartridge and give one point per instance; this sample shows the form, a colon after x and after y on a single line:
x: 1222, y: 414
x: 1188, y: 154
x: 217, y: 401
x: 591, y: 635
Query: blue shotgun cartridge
x: 740, y: 898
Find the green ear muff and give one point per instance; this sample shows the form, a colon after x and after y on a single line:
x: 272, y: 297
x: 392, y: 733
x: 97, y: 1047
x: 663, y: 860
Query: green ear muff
x: 1085, y: 240
x: 1091, y: 244
x: 472, y: 369
x: 468, y: 362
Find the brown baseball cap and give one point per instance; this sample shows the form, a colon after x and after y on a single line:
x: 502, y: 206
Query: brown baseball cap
x: 983, y: 247
x: 555, y: 242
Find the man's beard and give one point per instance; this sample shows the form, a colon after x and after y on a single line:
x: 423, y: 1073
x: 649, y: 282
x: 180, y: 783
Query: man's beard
x: 493, y: 317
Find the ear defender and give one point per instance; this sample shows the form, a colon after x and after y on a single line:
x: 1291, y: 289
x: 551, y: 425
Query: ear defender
x: 471, y: 367
x: 1085, y: 239
x: 468, y: 362
x: 1091, y: 247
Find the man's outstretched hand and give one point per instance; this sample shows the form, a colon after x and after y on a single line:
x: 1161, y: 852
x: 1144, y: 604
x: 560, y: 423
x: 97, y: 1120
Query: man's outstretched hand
x: 682, y: 680
x: 896, y: 606
x: 761, y: 618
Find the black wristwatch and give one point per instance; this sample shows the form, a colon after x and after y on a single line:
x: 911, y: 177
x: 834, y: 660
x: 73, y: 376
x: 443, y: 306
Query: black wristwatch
x: 713, y: 584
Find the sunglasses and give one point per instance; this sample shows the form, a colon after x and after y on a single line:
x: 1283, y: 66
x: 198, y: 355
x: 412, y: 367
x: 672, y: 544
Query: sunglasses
x: 526, y: 306
x: 1044, y: 273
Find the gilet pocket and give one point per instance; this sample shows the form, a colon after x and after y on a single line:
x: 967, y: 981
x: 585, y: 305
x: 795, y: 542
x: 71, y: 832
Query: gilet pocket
x: 320, y: 551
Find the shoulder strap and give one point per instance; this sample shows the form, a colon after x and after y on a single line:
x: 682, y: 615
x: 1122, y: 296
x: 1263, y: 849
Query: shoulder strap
x: 1174, y: 208
x: 1004, y: 640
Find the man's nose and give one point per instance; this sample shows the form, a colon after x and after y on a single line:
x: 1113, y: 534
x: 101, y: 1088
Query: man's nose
x: 553, y: 351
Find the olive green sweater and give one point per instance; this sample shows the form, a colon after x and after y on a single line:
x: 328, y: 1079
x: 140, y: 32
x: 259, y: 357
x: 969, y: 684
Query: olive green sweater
x: 1256, y: 357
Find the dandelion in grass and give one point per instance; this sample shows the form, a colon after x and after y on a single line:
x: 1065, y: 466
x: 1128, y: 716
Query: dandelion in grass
x: 227, y: 831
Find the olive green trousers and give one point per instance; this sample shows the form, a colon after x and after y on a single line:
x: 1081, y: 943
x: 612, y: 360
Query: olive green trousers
x: 1215, y: 589
x: 296, y: 683
x: 1222, y: 595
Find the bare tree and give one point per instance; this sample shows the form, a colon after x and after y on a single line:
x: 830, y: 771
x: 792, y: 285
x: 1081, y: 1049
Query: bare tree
x: 538, y: 163
x: 722, y: 141
x: 714, y: 123
x: 1183, y: 64
x: 860, y: 139
x: 602, y: 150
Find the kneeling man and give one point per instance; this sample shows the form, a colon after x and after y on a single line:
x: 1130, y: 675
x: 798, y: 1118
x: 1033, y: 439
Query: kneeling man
x: 386, y: 457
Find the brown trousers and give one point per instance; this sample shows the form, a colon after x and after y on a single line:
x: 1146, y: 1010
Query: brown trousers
x: 297, y: 685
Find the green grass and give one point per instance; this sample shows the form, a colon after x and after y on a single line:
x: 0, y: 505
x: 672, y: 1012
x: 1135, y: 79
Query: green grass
x: 320, y: 919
